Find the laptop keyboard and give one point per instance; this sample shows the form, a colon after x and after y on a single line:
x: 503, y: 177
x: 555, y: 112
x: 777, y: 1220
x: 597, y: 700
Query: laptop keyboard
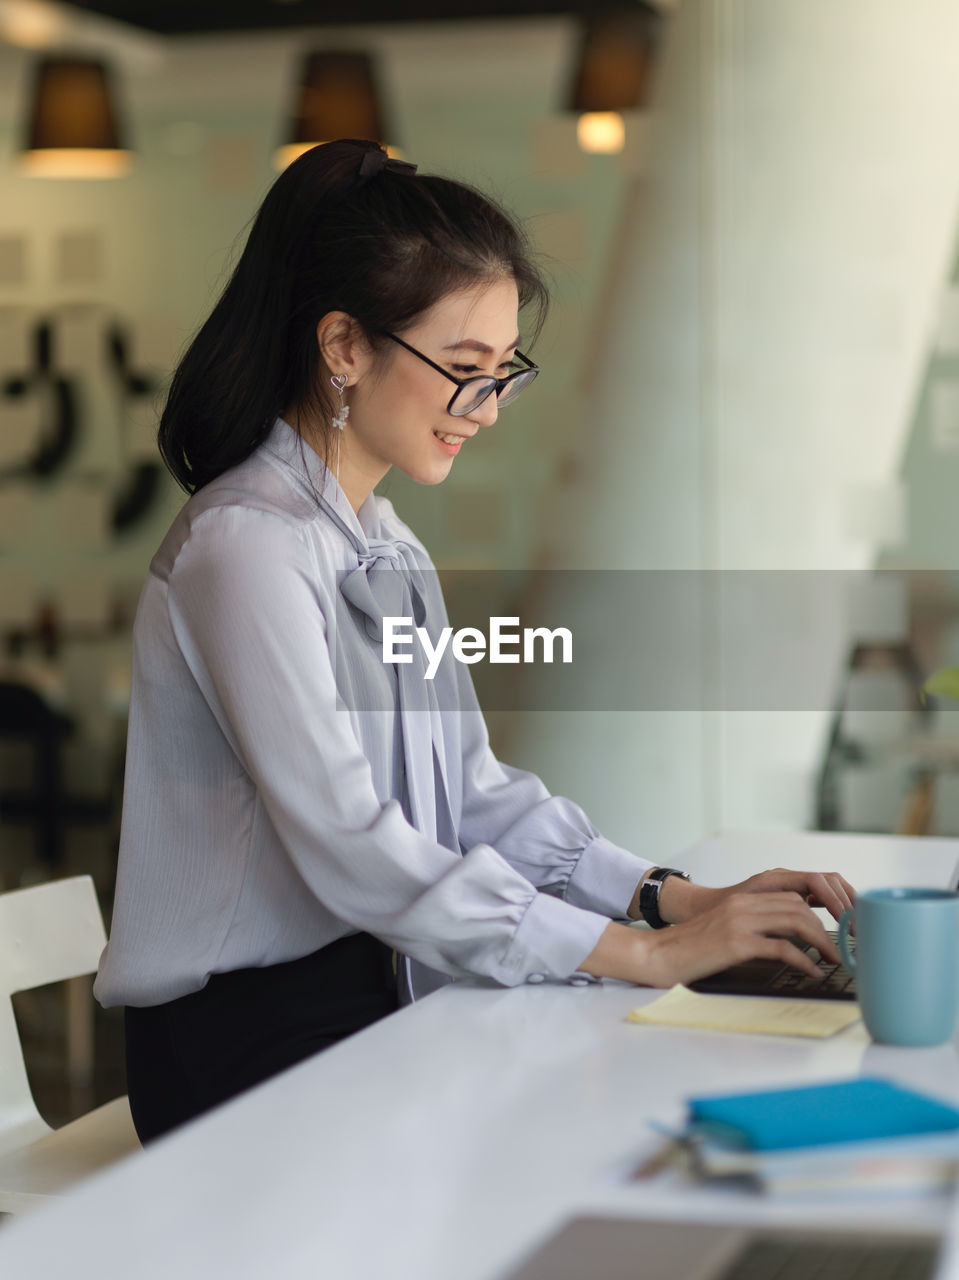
x: 834, y: 983
x: 765, y: 977
x: 835, y: 1260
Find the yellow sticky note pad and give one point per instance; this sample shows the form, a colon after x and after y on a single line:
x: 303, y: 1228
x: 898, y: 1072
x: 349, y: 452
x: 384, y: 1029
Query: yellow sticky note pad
x: 758, y: 1015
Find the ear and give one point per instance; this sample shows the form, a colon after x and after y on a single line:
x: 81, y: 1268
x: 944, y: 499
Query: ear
x: 342, y: 345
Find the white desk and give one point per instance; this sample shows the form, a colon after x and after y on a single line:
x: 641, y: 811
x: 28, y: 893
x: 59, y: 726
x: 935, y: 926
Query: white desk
x: 446, y: 1140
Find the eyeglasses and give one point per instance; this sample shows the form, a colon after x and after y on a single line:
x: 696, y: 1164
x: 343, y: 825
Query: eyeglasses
x: 471, y: 392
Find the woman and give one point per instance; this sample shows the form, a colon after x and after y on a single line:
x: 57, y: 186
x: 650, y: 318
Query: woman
x: 297, y: 809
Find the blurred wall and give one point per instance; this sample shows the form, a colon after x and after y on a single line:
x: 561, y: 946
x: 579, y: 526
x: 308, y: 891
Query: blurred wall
x: 767, y: 333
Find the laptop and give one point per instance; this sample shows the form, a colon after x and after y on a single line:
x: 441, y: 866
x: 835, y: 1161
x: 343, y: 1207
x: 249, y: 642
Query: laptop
x: 773, y: 978
x: 625, y: 1249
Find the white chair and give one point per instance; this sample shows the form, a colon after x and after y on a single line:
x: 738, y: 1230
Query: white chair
x: 47, y: 934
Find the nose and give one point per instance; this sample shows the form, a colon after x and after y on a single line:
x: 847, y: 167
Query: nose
x: 485, y: 415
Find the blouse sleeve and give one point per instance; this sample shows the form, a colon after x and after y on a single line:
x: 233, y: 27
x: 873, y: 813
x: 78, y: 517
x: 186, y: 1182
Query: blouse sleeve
x: 547, y: 838
x: 247, y: 615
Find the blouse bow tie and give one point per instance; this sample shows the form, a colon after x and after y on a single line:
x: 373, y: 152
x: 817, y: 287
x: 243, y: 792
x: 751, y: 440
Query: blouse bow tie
x: 390, y: 582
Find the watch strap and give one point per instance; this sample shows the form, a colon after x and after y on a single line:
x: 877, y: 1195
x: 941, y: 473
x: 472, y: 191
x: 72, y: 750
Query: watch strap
x: 649, y: 894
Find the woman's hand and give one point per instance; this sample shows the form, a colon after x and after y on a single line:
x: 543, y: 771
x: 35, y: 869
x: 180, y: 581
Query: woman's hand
x: 679, y: 900
x: 744, y: 924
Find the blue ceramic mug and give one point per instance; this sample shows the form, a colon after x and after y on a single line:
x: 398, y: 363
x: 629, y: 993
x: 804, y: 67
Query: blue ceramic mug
x: 906, y: 963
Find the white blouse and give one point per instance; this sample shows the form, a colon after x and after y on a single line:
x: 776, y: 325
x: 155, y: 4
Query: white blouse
x: 286, y: 787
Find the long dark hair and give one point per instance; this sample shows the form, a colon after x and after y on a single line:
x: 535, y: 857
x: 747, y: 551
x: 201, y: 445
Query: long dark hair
x: 383, y: 250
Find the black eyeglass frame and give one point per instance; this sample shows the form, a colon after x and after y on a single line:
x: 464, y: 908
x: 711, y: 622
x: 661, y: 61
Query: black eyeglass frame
x: 495, y: 384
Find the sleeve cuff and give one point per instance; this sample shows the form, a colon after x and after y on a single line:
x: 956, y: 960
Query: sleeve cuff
x: 605, y: 878
x: 552, y: 941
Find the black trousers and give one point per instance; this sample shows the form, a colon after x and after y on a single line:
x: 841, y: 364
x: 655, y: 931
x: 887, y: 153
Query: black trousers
x: 191, y: 1054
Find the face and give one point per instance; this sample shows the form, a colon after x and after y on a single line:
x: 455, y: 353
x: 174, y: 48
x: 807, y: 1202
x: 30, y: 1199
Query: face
x: 398, y: 403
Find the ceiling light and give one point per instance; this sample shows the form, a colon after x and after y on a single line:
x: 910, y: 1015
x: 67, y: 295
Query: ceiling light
x: 73, y: 130
x: 601, y: 132
x: 337, y: 98
x: 613, y: 73
x: 45, y: 24
x: 31, y: 24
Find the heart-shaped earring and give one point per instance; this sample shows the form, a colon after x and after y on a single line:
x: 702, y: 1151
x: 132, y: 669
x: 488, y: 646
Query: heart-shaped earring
x: 339, y: 381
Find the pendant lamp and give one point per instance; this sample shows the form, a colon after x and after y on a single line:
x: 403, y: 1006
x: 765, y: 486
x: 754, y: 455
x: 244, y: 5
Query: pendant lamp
x: 337, y: 97
x: 73, y: 130
x: 613, y: 72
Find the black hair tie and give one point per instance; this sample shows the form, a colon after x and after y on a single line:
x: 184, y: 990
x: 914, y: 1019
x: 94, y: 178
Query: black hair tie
x: 375, y: 162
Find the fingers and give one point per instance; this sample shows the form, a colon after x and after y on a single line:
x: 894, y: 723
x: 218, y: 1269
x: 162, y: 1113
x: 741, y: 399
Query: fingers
x: 813, y: 931
x: 780, y: 913
x: 830, y: 890
x: 782, y: 949
x: 817, y: 888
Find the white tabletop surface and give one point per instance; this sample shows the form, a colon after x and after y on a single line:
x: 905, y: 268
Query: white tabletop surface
x: 446, y: 1140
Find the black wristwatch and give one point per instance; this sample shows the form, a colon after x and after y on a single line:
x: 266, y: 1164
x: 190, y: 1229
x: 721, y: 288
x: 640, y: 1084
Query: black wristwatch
x: 649, y: 895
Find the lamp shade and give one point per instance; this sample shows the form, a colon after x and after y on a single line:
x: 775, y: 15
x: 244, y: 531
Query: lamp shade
x: 337, y: 97
x: 612, y: 74
x: 72, y: 127
x: 615, y: 60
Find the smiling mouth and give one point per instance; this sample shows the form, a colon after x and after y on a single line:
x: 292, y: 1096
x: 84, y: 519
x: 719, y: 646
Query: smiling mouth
x: 449, y: 438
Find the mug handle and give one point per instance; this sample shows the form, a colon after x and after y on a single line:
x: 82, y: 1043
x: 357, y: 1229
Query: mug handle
x: 842, y: 939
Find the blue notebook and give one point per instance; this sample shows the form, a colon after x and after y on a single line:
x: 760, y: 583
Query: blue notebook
x: 816, y: 1115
